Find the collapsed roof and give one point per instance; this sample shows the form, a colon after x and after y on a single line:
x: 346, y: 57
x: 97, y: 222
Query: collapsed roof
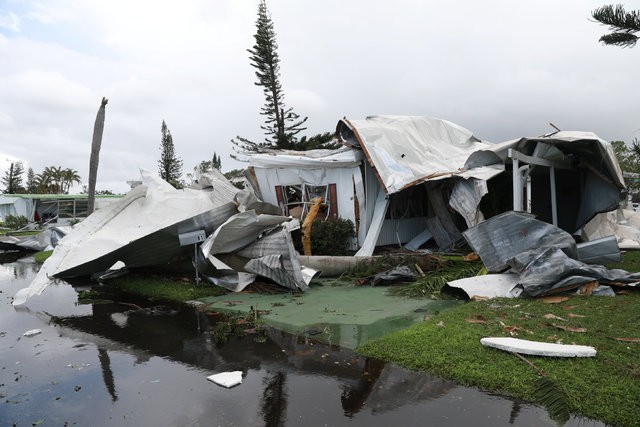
x: 408, y: 150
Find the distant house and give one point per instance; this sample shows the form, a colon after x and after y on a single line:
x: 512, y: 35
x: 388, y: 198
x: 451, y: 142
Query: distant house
x: 49, y: 207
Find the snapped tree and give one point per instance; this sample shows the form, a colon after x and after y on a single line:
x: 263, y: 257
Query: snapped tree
x: 623, y: 25
x: 94, y: 158
x: 169, y: 165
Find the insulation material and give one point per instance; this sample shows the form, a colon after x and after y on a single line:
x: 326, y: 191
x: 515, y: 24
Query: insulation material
x: 537, y: 348
x: 226, y: 379
x: 622, y: 223
x: 488, y: 285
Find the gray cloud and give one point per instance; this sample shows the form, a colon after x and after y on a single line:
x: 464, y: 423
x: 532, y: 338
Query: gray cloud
x: 502, y: 69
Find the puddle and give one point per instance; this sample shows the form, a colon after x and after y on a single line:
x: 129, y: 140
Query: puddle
x: 134, y: 362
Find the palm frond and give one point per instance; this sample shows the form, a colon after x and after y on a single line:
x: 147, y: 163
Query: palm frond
x: 551, y: 396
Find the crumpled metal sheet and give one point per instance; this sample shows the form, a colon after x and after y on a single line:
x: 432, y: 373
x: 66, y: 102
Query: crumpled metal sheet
x: 239, y: 231
x: 465, y: 198
x: 511, y: 235
x: 401, y: 273
x: 599, y: 251
x: 552, y: 271
x: 274, y: 256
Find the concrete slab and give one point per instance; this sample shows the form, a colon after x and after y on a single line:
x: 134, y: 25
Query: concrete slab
x: 336, y: 314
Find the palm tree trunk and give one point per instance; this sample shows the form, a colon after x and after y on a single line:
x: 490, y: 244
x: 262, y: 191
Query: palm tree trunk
x: 98, y: 127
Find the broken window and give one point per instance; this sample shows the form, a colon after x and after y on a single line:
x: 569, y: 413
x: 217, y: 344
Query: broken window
x: 295, y: 200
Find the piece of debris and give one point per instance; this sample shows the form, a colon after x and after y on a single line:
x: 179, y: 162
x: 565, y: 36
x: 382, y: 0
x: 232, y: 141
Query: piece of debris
x: 570, y: 328
x: 227, y: 379
x: 555, y: 299
x: 536, y: 348
x: 399, y: 274
x: 553, y: 316
x: 573, y: 315
x: 476, y: 319
x: 32, y: 332
x: 634, y: 340
x: 488, y: 285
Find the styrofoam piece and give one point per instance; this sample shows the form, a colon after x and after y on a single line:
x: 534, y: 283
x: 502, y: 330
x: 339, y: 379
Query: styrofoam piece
x: 536, y: 348
x: 488, y: 285
x: 32, y: 332
x: 227, y: 379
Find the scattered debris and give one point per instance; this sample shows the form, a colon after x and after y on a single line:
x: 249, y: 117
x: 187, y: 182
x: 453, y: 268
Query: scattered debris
x: 476, y: 319
x: 553, y: 316
x: 227, y: 379
x: 570, y: 328
x: 556, y: 299
x: 634, y: 340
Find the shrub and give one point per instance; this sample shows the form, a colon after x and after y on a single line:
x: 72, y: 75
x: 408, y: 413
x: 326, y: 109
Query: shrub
x: 15, y: 222
x: 331, y: 237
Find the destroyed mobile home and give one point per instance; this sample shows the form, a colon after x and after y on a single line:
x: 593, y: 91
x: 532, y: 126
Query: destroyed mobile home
x: 400, y: 180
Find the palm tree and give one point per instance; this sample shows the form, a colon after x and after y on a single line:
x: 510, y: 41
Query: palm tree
x: 55, y: 175
x: 42, y: 183
x: 69, y: 177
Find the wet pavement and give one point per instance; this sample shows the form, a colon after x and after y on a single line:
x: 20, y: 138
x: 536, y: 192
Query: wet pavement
x: 128, y: 361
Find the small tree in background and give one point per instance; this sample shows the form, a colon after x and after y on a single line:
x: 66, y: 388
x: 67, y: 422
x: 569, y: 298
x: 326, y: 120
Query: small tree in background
x: 623, y: 25
x: 169, y: 165
x: 216, y: 162
x: 32, y: 187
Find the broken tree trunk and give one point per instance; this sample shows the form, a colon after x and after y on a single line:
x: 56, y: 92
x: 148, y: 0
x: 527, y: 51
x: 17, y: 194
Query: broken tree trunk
x: 98, y: 127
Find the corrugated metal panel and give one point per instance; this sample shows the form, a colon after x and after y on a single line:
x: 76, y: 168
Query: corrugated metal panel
x: 399, y: 231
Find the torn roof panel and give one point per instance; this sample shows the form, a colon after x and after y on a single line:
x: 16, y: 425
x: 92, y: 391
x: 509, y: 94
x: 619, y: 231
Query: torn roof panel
x: 324, y: 158
x: 407, y: 150
x: 587, y: 147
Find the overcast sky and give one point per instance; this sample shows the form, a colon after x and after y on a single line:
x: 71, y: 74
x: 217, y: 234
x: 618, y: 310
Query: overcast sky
x: 503, y: 69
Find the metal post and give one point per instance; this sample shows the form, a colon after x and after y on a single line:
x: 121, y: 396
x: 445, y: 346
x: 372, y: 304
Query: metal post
x: 195, y: 262
x: 554, y: 203
x: 517, y: 187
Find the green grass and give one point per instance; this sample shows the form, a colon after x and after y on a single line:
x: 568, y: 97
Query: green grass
x: 9, y: 232
x: 42, y: 256
x: 630, y: 261
x: 165, y: 288
x: 604, y: 387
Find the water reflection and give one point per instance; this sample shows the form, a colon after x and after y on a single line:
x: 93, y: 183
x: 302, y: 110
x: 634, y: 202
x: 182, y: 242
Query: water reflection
x: 287, y: 379
x: 274, y: 399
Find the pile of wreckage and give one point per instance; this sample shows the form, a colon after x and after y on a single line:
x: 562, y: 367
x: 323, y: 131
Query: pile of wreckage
x: 401, y: 180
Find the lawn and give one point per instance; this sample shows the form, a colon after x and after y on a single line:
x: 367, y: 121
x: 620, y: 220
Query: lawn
x: 604, y: 387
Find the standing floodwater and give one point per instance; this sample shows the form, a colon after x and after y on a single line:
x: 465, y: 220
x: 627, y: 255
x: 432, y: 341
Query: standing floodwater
x: 132, y: 362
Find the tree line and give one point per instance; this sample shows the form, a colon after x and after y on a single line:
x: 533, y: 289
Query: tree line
x: 52, y: 180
